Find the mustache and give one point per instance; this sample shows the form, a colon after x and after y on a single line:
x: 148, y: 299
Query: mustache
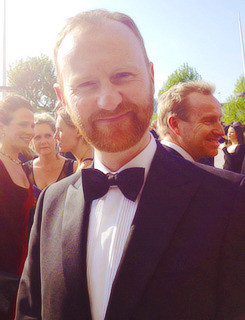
x: 123, y: 107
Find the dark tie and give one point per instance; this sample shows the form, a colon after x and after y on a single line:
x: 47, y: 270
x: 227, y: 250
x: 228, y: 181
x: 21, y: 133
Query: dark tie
x: 96, y: 184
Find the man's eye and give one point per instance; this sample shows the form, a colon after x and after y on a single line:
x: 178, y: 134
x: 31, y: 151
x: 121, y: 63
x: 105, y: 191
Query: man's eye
x: 23, y: 124
x: 121, y: 75
x: 86, y: 84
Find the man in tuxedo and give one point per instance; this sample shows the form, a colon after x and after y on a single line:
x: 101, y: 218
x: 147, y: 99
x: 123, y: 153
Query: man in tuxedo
x: 189, y: 121
x: 142, y: 234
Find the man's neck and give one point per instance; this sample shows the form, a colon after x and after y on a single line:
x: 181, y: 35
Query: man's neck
x: 114, y: 161
x: 174, y: 145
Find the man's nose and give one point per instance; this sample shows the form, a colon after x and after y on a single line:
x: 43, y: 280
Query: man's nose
x: 219, y: 130
x: 108, y: 97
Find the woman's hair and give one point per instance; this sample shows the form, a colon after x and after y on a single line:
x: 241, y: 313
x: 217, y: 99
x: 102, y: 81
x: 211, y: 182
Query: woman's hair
x: 44, y: 118
x: 9, y: 105
x: 61, y: 111
x: 239, y: 133
x: 65, y: 116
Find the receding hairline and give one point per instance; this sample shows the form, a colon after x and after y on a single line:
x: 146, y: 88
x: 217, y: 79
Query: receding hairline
x: 90, y: 20
x: 175, y: 102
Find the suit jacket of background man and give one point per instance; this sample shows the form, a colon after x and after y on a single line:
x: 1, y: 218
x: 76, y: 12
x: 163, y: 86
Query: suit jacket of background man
x: 243, y: 166
x: 184, y: 258
x: 208, y: 161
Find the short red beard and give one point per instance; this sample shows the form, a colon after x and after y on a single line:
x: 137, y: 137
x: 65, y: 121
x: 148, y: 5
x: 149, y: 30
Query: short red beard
x: 116, y: 138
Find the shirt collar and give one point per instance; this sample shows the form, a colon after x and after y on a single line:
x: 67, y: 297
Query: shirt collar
x: 177, y: 148
x: 143, y: 159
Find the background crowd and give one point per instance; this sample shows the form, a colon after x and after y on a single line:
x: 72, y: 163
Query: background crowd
x: 31, y: 158
x: 52, y: 148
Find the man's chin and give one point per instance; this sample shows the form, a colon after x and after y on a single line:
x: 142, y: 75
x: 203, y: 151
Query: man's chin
x: 115, y: 142
x: 114, y: 146
x: 211, y: 154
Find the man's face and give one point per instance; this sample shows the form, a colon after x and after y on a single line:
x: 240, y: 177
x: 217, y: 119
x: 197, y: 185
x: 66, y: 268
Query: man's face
x: 108, y: 85
x: 199, y: 135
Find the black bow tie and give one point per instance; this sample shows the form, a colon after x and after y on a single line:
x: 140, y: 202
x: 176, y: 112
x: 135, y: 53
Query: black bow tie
x: 96, y: 183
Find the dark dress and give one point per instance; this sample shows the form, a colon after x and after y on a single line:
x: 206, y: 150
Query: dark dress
x: 66, y: 171
x: 233, y: 161
x: 15, y: 205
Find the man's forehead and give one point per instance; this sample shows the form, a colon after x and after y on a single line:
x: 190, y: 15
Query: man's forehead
x: 91, y: 30
x: 199, y: 98
x: 107, y: 31
x: 203, y: 103
x: 111, y: 42
x: 67, y: 44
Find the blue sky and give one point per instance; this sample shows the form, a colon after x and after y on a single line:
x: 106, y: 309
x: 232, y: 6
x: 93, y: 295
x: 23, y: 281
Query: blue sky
x: 204, y: 34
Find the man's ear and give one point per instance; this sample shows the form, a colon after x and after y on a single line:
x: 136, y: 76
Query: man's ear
x: 151, y: 72
x: 59, y: 94
x: 78, y: 133
x: 173, y: 123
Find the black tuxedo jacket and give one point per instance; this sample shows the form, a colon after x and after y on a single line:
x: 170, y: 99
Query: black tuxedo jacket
x: 208, y: 161
x: 184, y: 258
x: 243, y: 166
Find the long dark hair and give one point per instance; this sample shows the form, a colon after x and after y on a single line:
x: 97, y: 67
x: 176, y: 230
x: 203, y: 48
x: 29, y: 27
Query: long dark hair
x: 239, y: 132
x: 10, y: 104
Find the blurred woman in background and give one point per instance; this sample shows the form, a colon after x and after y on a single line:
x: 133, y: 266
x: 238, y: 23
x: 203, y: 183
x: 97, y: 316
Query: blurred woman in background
x: 16, y: 197
x: 49, y: 166
x: 235, y: 149
x: 69, y: 139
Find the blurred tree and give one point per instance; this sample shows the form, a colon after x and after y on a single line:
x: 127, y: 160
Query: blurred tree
x: 234, y: 108
x: 183, y: 74
x: 33, y: 78
x: 240, y: 85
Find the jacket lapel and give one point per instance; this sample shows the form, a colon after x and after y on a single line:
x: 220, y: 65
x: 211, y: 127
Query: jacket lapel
x: 74, y: 242
x: 166, y: 195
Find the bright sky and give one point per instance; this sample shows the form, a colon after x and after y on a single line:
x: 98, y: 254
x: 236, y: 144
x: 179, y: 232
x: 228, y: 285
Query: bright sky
x: 203, y: 33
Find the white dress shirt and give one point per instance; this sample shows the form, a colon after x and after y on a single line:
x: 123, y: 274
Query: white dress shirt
x: 110, y: 219
x: 177, y: 148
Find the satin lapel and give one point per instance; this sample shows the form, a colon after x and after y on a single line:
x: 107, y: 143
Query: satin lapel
x: 74, y: 243
x: 166, y: 196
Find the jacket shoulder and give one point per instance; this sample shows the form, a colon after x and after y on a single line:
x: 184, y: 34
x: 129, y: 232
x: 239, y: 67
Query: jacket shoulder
x: 165, y: 161
x: 61, y: 186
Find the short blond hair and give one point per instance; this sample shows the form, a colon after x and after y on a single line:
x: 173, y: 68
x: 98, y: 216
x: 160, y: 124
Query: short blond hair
x: 174, y: 102
x: 44, y: 118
